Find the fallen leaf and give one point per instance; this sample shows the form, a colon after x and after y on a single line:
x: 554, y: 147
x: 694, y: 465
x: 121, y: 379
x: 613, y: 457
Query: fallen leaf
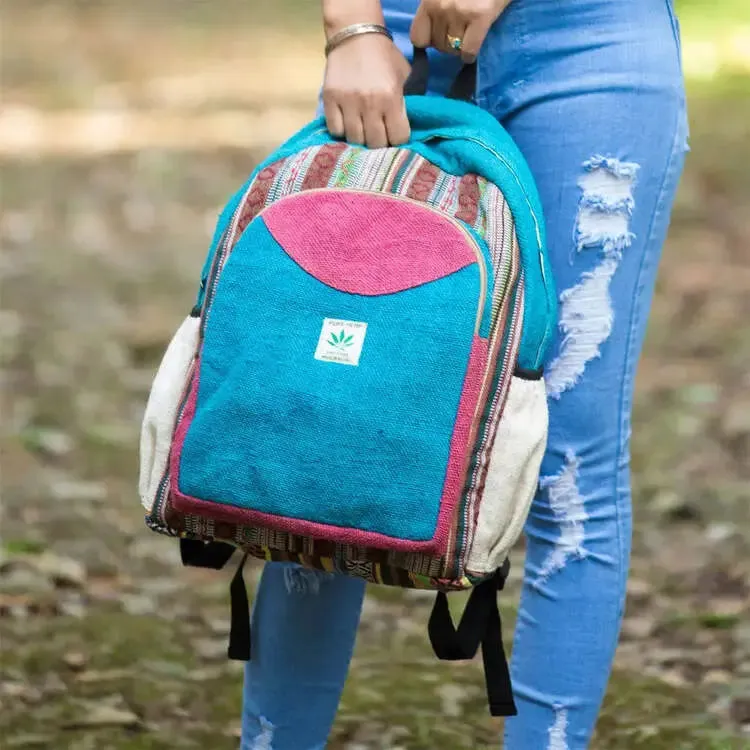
x: 105, y: 716
x: 452, y: 697
x: 139, y: 604
x: 24, y: 580
x: 638, y: 628
x: 717, y: 677
x: 674, y: 678
x: 30, y: 740
x: 102, y: 675
x: 62, y: 571
x: 47, y: 441
x: 639, y: 590
x: 210, y: 649
x: 73, y: 606
x: 19, y: 691
x: 75, y: 660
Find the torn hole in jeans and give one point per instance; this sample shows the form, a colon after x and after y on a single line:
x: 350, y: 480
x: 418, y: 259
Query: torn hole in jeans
x: 586, y: 314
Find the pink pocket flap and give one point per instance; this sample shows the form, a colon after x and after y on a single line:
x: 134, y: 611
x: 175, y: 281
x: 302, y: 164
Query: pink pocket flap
x: 367, y: 243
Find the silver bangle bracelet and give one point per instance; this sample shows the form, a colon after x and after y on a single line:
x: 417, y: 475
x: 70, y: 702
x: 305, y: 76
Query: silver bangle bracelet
x: 355, y: 30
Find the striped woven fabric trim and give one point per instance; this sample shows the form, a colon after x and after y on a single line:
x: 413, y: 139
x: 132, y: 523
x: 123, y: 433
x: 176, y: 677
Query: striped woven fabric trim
x: 250, y: 537
x: 372, y: 572
x: 493, y: 413
x: 470, y: 198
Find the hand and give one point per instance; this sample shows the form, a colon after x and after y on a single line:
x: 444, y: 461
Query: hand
x: 467, y: 20
x: 363, y: 92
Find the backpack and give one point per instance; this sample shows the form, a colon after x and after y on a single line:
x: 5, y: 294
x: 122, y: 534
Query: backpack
x: 358, y: 388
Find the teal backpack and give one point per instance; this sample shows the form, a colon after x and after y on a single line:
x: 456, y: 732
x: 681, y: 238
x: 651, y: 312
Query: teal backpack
x: 358, y: 388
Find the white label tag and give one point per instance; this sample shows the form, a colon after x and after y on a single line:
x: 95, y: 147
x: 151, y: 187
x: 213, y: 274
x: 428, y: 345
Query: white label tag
x: 341, y: 341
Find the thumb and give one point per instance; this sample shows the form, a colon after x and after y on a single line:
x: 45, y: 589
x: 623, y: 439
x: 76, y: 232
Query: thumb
x: 421, y: 28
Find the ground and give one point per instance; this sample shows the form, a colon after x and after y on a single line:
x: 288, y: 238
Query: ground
x: 121, y: 133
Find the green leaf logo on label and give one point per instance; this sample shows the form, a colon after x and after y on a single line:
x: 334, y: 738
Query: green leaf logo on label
x: 342, y: 341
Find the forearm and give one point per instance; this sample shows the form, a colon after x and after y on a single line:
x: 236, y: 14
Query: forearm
x: 337, y: 14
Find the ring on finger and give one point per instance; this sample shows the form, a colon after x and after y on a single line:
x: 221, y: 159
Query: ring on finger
x: 455, y: 42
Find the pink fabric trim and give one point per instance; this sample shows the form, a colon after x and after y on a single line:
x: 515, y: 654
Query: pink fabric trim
x: 462, y: 439
x: 367, y: 243
x: 185, y: 420
x: 245, y: 517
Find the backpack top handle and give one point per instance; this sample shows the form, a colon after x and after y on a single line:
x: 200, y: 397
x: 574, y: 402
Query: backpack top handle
x: 462, y: 87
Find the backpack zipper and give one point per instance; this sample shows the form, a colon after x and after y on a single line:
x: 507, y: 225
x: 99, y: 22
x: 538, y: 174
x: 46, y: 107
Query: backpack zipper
x: 217, y: 263
x: 537, y: 229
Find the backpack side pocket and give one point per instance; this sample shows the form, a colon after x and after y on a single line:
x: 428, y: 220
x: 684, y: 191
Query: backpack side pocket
x: 162, y: 407
x: 513, y: 474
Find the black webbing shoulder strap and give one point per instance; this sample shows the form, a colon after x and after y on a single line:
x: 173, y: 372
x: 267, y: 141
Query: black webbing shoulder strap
x: 480, y: 625
x: 216, y: 555
x: 462, y: 87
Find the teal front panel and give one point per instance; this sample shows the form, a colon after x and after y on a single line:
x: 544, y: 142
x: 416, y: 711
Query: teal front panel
x: 278, y: 431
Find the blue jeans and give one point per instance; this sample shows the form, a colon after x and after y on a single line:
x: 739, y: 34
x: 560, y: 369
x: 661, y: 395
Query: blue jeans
x: 592, y: 92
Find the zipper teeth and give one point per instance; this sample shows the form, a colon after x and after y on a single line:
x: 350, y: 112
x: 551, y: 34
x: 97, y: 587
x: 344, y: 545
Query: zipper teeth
x: 484, y: 462
x: 210, y: 283
x: 164, y: 484
x: 493, y: 345
x: 505, y: 271
x: 218, y: 262
x: 545, y: 280
x: 504, y: 367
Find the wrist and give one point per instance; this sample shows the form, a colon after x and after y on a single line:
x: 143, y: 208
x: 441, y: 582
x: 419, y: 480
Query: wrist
x: 354, y: 31
x: 338, y: 14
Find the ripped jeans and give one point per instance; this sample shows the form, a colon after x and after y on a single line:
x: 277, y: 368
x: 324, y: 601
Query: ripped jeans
x: 592, y: 92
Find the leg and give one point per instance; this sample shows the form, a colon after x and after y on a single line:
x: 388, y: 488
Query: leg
x: 304, y: 623
x: 591, y: 91
x: 537, y: 77
x: 304, y: 626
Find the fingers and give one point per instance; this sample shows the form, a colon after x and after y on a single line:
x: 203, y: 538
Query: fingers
x: 374, y: 122
x: 334, y: 117
x: 354, y: 128
x: 363, y: 97
x: 385, y: 121
x: 432, y: 27
x: 421, y: 27
x: 440, y: 26
x: 456, y: 29
x: 376, y: 135
x: 466, y: 20
x: 473, y: 38
x: 397, y: 124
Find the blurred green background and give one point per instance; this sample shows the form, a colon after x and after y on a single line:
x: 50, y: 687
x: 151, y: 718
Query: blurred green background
x: 123, y: 128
